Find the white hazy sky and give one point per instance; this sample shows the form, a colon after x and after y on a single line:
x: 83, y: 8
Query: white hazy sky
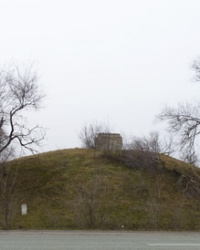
x: 112, y: 61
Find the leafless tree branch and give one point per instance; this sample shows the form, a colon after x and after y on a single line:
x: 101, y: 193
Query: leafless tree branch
x: 183, y: 122
x: 89, y: 133
x: 19, y: 92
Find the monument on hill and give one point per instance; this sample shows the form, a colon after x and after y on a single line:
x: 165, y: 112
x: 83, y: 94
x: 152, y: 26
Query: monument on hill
x: 108, y: 142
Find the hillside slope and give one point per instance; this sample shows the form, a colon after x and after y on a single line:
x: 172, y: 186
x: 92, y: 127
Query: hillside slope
x: 84, y: 189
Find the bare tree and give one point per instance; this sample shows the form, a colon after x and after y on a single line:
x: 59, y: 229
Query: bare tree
x: 8, y: 185
x: 150, y: 143
x: 86, y: 203
x: 184, y: 123
x: 89, y: 133
x: 196, y: 68
x: 144, y: 152
x: 19, y: 92
x: 88, y: 199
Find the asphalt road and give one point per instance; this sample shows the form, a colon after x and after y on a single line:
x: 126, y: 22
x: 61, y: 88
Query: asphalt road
x: 98, y: 240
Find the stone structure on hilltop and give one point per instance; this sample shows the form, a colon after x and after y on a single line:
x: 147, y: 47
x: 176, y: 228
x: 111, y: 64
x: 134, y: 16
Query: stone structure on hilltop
x: 108, y: 142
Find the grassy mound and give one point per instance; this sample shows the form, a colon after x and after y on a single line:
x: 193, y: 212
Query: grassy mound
x: 85, y: 189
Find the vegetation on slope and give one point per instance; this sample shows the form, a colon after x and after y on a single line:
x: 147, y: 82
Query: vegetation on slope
x: 86, y: 189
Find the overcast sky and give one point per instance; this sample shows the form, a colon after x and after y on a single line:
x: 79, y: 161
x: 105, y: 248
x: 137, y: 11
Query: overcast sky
x: 112, y: 61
